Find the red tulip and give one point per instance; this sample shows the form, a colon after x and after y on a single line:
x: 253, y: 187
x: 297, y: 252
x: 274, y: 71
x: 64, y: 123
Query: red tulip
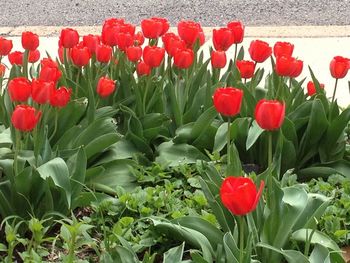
x: 227, y: 101
x: 134, y: 54
x: 30, y: 41
x: 69, y: 38
x: 143, y: 69
x: 34, y: 56
x: 60, y: 97
x: 190, y: 32
x: 16, y: 58
x: 5, y: 46
x: 19, y: 89
x: 151, y: 28
x: 139, y: 39
x: 164, y: 22
x: 288, y: 66
x: 172, y: 43
x: 259, y: 51
x: 218, y: 59
x: 222, y: 39
x: 103, y: 53
x: 91, y: 42
x: 297, y: 68
x: 25, y: 118
x: 311, y: 89
x: 80, y: 56
x: 109, y: 35
x: 246, y: 68
x: 283, y: 49
x: 105, y: 87
x: 339, y: 67
x: 239, y: 194
x: 183, y: 58
x: 127, y: 28
x: 49, y: 70
x: 153, y: 56
x: 237, y: 29
x: 269, y: 114
x: 125, y: 40
x: 2, y: 70
x: 41, y: 90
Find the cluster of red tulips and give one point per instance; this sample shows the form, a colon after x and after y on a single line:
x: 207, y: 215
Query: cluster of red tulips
x: 120, y: 36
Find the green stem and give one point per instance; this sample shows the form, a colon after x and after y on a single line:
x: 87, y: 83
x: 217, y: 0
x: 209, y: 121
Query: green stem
x: 148, y: 83
x: 235, y: 57
x: 17, y: 149
x: 65, y: 61
x: 25, y: 63
x: 55, y: 127
x: 71, y: 249
x: 269, y: 163
x: 335, y: 89
x: 241, y: 239
x: 77, y: 83
x: 228, y: 143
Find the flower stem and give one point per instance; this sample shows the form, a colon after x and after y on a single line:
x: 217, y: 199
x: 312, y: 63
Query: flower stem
x: 241, y: 239
x: 77, y: 84
x: 17, y: 149
x: 55, y: 127
x: 235, y: 57
x: 25, y: 63
x: 228, y: 143
x: 269, y: 162
x: 335, y: 89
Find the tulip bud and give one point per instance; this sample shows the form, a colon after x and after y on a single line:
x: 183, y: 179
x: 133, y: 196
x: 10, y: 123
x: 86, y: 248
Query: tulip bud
x: 184, y: 58
x: 24, y: 118
x: 269, y: 114
x: 237, y: 29
x: 19, y: 89
x: 227, y: 101
x: 218, y: 59
x: 69, y: 38
x: 60, y: 97
x: 246, y: 68
x: 30, y: 41
x: 259, y: 51
x: 105, y: 87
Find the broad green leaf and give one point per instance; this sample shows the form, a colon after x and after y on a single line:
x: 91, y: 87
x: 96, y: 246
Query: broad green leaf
x: 317, y: 238
x: 292, y: 256
x: 174, y: 254
x: 254, y: 132
x: 57, y: 170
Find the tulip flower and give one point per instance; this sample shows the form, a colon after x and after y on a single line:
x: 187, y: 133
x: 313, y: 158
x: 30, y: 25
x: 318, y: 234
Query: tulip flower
x: 222, y: 39
x: 60, y: 97
x: 190, y: 32
x: 143, y: 69
x: 69, y: 38
x: 5, y: 46
x: 91, y: 42
x: 237, y: 29
x: 139, y: 39
x: 153, y: 56
x: 240, y: 195
x: 16, y: 58
x: 30, y: 41
x: 24, y: 118
x: 153, y: 28
x: 172, y: 43
x: 19, y: 89
x: 184, y: 58
x: 218, y: 59
x: 105, y: 87
x: 311, y: 89
x: 246, y: 68
x: 283, y: 49
x: 49, y: 70
x: 288, y: 66
x: 80, y: 56
x: 259, y: 51
x: 134, y: 53
x: 103, y: 53
x: 227, y: 101
x: 125, y: 40
x: 41, y: 90
x: 34, y: 56
x: 339, y: 67
x: 2, y: 70
x: 269, y: 114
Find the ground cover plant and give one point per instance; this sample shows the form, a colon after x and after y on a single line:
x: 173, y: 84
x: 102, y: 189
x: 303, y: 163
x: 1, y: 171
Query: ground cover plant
x: 132, y: 146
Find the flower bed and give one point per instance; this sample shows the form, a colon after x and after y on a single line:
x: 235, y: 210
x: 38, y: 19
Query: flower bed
x: 132, y: 147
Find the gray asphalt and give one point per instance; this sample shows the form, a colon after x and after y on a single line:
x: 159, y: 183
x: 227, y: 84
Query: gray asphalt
x: 209, y: 13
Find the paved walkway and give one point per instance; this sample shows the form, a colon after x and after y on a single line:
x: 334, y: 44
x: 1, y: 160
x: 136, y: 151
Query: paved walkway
x: 316, y: 46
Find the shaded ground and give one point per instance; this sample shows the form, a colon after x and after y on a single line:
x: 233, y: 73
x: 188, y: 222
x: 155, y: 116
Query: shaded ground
x: 209, y: 13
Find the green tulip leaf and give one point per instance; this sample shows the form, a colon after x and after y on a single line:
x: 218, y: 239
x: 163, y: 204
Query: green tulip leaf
x: 253, y: 134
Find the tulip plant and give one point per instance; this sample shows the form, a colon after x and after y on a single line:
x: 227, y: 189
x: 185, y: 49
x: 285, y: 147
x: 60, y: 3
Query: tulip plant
x: 78, y: 128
